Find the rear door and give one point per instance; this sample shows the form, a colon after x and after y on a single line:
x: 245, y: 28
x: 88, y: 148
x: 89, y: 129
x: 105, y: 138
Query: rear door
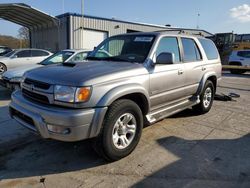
x: 193, y: 63
x: 167, y: 81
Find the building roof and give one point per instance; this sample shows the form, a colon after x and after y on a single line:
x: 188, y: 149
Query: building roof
x: 160, y: 27
x: 25, y: 15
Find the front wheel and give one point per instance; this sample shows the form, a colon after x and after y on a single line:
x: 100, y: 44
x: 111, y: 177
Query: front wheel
x: 206, y: 98
x: 121, y: 130
x: 3, y: 68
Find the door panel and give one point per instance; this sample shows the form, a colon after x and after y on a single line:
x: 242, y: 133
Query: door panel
x: 166, y: 84
x: 193, y: 76
x: 167, y: 81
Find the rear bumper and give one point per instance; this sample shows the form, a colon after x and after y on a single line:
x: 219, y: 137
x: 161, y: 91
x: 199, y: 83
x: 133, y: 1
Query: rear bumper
x: 80, y: 123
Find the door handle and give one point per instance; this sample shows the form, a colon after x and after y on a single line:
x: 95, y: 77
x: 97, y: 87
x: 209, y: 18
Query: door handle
x: 203, y: 68
x: 180, y: 72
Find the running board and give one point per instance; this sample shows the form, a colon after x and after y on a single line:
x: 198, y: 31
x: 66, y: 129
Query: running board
x: 170, y: 110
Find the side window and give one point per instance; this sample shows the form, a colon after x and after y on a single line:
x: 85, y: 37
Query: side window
x: 79, y: 57
x: 39, y: 53
x: 209, y: 48
x: 191, y: 51
x: 169, y: 44
x: 245, y: 54
x: 24, y: 53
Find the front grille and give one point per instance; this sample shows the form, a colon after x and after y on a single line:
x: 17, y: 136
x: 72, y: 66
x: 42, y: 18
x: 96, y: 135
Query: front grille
x: 37, y: 84
x: 23, y: 117
x: 35, y: 96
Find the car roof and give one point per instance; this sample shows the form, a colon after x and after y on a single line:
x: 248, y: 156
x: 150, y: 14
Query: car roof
x: 19, y: 49
x: 245, y: 50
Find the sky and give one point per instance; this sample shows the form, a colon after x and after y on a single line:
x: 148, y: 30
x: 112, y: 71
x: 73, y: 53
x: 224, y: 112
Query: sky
x: 215, y: 15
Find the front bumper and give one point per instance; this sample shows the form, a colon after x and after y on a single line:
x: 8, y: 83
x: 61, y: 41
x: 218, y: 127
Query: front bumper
x: 10, y: 85
x: 81, y: 123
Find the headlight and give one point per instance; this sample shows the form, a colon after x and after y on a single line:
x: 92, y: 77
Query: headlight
x: 72, y: 94
x: 16, y: 79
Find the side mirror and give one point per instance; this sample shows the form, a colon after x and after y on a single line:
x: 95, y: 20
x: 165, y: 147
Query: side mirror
x: 14, y: 56
x: 165, y: 58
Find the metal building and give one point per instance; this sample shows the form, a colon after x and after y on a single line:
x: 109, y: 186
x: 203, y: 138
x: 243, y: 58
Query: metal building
x: 73, y: 30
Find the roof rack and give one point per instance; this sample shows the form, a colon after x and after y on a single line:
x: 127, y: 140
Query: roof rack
x: 181, y: 31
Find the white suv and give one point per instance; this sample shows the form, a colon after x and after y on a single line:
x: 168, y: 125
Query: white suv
x: 240, y: 58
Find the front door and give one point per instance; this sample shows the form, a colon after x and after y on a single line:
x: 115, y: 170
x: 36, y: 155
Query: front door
x: 167, y: 81
x: 21, y: 58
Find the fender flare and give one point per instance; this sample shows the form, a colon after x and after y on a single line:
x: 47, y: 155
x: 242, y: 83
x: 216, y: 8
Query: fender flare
x: 203, y: 81
x: 123, y: 90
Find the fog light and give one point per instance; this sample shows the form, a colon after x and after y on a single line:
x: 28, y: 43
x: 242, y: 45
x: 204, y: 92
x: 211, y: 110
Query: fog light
x: 58, y: 129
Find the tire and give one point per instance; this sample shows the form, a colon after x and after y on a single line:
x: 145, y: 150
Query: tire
x: 3, y: 68
x: 111, y: 144
x: 206, y: 102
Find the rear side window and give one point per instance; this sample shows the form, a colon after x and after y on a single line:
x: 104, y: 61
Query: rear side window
x: 209, y: 48
x: 39, y: 53
x: 169, y: 44
x: 24, y: 53
x: 191, y: 51
x: 245, y: 54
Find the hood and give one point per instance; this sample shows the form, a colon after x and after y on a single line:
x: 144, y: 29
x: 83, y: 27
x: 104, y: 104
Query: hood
x: 19, y: 72
x: 87, y: 73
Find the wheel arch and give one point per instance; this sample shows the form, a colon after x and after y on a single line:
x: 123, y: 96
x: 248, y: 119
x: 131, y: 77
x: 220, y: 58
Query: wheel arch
x: 133, y: 92
x: 210, y: 76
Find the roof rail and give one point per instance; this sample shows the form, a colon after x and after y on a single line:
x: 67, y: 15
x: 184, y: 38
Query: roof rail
x: 181, y: 31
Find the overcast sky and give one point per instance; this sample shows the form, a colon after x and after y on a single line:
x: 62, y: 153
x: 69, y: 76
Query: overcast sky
x: 215, y: 15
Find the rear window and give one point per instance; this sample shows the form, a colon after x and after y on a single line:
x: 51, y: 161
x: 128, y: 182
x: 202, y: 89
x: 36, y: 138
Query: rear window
x: 245, y: 54
x: 39, y: 53
x: 209, y: 48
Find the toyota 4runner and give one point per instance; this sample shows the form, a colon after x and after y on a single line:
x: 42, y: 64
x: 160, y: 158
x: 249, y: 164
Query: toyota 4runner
x: 127, y: 82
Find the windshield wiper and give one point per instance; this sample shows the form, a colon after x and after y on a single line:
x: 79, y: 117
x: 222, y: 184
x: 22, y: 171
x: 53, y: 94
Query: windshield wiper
x: 108, y: 59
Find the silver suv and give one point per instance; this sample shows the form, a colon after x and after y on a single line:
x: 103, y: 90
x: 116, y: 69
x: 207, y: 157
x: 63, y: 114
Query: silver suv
x: 127, y: 82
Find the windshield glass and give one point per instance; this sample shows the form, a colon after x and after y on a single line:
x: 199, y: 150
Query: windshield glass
x: 59, y: 57
x: 10, y: 53
x: 131, y: 48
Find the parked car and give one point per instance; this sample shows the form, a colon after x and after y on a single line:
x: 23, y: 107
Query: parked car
x: 239, y: 58
x: 4, y: 50
x: 143, y: 78
x: 11, y: 79
x: 21, y: 57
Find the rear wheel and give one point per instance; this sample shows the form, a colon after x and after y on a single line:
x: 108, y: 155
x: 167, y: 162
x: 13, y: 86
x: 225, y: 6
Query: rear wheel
x: 3, y: 68
x: 206, y: 98
x: 121, y: 131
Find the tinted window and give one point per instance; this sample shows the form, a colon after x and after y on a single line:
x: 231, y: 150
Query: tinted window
x: 24, y: 53
x: 39, y: 53
x: 79, y: 57
x: 245, y: 54
x: 191, y: 51
x: 209, y: 48
x: 169, y: 44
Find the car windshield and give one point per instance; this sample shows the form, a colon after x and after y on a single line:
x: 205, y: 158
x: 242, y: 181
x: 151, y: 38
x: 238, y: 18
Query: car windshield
x: 10, y: 53
x: 129, y: 48
x: 59, y: 57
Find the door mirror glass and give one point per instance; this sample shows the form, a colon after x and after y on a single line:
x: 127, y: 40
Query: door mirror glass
x: 165, y: 58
